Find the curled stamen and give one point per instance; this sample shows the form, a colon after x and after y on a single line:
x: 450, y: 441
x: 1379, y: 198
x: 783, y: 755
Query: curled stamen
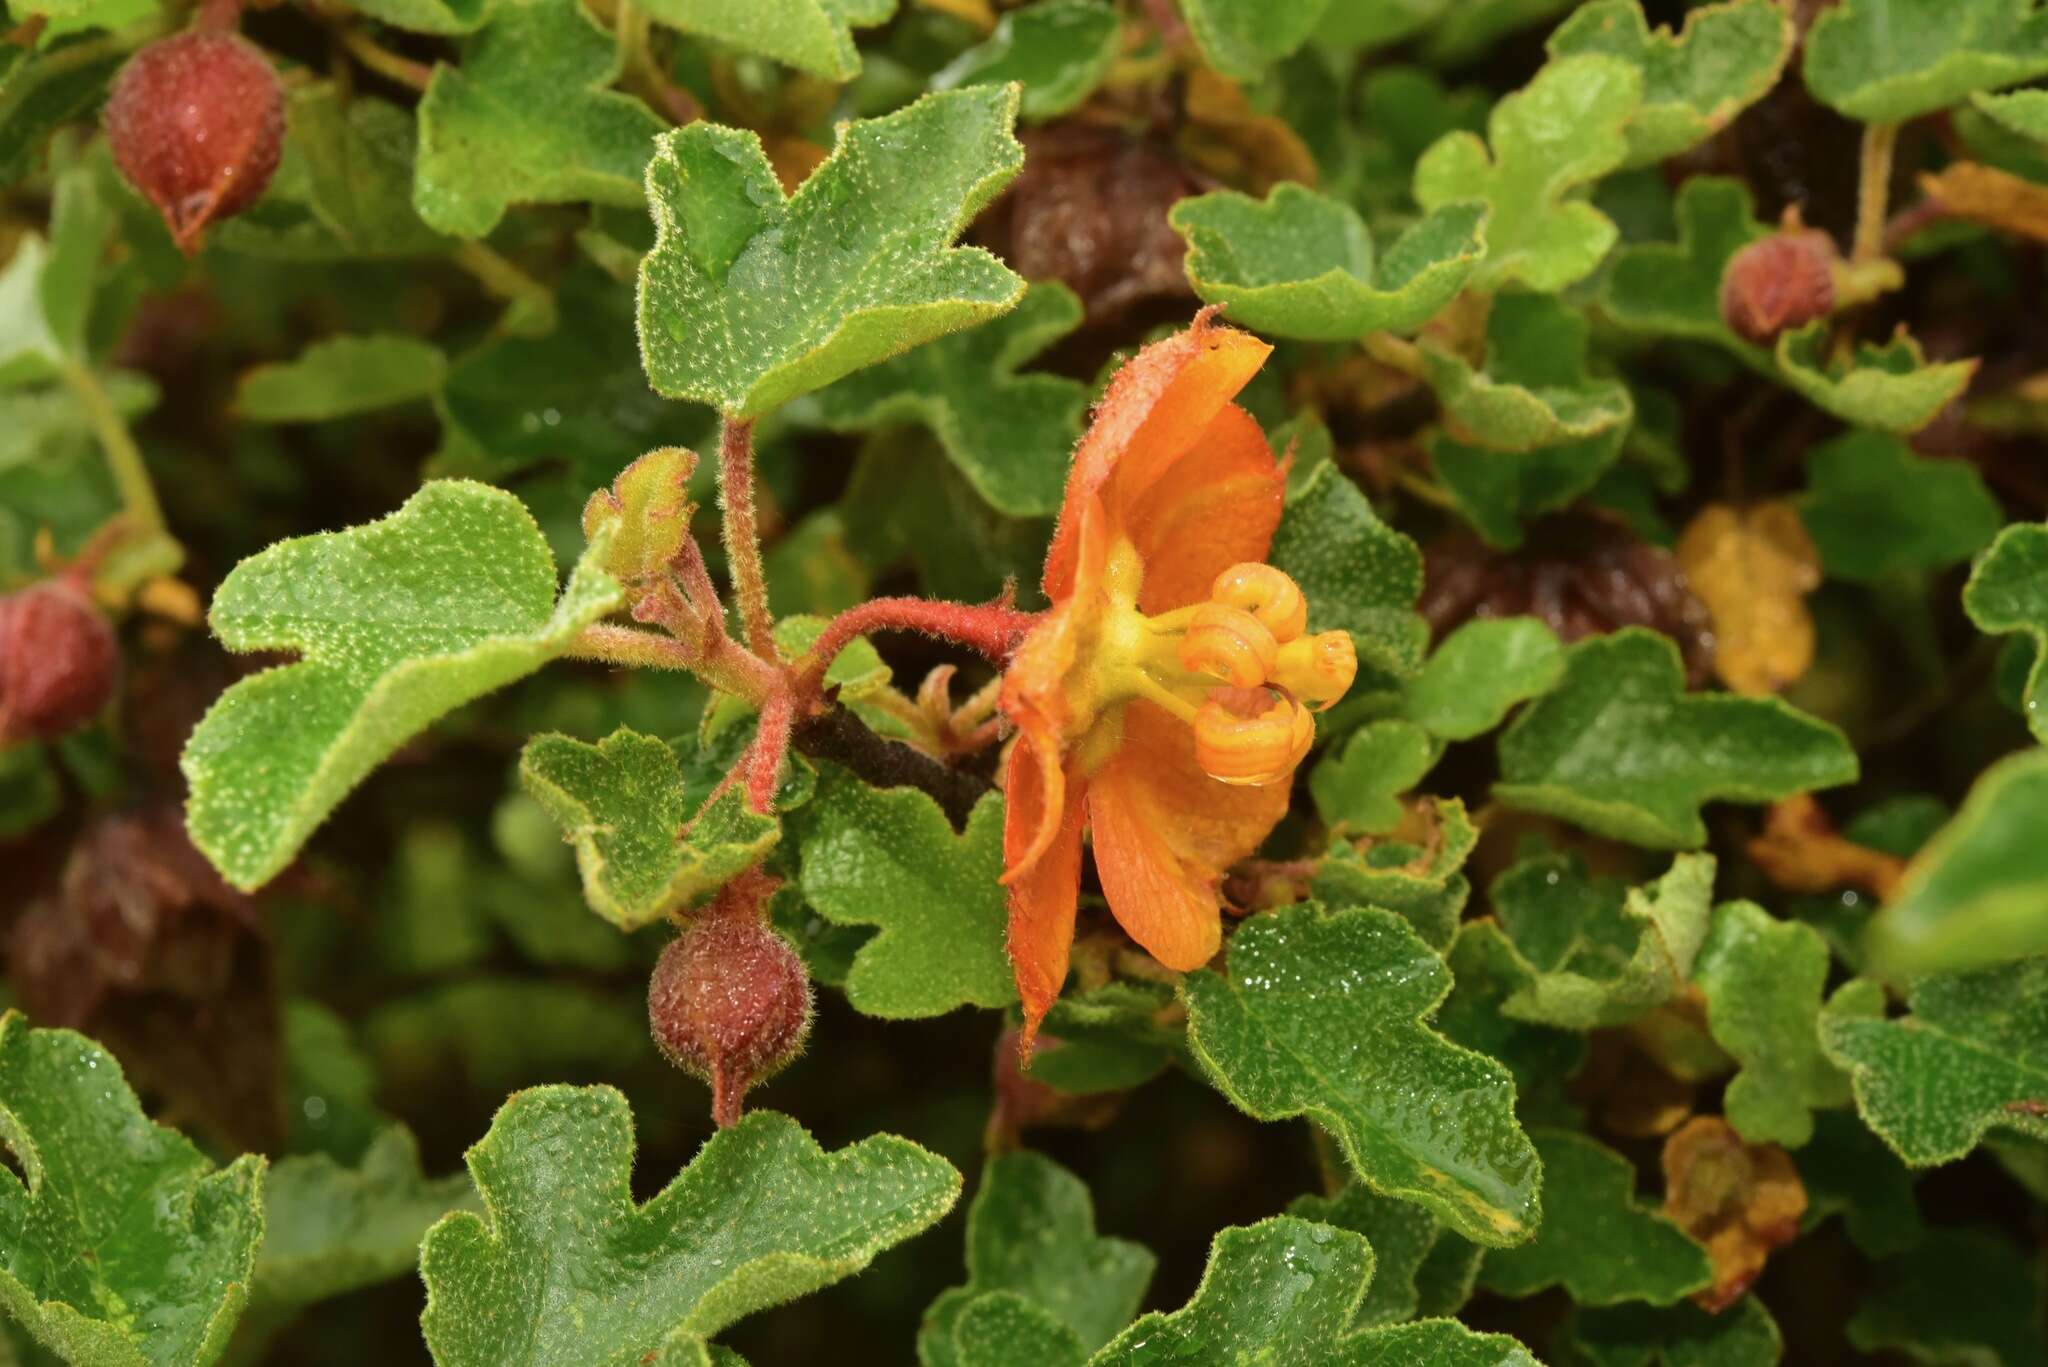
x: 1230, y: 644
x: 1249, y: 737
x: 1267, y: 594
x: 1317, y: 669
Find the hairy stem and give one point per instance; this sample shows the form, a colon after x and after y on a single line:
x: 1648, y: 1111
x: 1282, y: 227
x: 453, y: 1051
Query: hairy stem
x: 992, y: 629
x: 117, y: 444
x: 382, y: 60
x: 1874, y: 190
x: 743, y: 533
x: 839, y: 736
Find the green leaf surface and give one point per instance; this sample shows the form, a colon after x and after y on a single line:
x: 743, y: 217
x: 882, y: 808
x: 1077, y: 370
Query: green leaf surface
x: 1480, y: 672
x: 1539, y: 1056
x: 44, y: 88
x: 1358, y: 787
x: 360, y: 157
x: 1977, y: 893
x: 430, y: 16
x: 886, y: 857
x: 1031, y: 1233
x: 2008, y: 592
x: 1763, y: 980
x: 527, y: 118
x: 1003, y: 1329
x: 1012, y: 435
x: 622, y: 804
x: 1303, y: 265
x: 1744, y: 1335
x: 1241, y: 38
x: 1578, y: 952
x: 1552, y: 138
x: 1359, y: 575
x: 2024, y: 112
x: 1971, y: 1056
x: 750, y: 298
x: 1322, y: 1015
x: 1534, y: 390
x: 1891, y: 387
x: 1422, y: 883
x: 1875, y: 509
x: 1621, y: 749
x: 125, y: 1244
x: 1058, y: 50
x: 564, y: 1266
x: 1885, y: 61
x: 1404, y: 1239
x: 397, y: 623
x: 814, y: 36
x: 1109, y: 1039
x: 1962, y: 1296
x: 340, y: 377
x: 1848, y: 1171
x: 1287, y: 1290
x: 1695, y: 81
x: 1596, y: 1240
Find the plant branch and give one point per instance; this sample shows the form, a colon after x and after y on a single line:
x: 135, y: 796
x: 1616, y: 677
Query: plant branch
x: 117, y: 444
x: 382, y: 60
x: 1874, y: 191
x: 836, y: 734
x: 992, y: 629
x: 743, y: 533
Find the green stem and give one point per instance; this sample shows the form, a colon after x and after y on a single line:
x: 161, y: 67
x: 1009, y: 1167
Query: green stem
x: 1395, y: 353
x: 117, y: 444
x: 743, y: 534
x: 1874, y: 191
x: 723, y: 664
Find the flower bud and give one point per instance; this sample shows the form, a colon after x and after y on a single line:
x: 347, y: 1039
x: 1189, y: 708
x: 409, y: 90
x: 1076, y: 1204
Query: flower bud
x: 1782, y: 281
x: 1267, y: 594
x: 58, y: 660
x: 196, y: 124
x: 730, y: 1001
x: 1249, y: 737
x: 1230, y: 644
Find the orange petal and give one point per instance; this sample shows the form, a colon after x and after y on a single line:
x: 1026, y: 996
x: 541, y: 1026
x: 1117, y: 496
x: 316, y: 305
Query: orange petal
x: 1164, y: 833
x: 1218, y: 508
x: 1043, y: 891
x: 1156, y: 408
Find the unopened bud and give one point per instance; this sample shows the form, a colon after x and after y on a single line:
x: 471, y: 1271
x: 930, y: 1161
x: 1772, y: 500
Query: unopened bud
x: 58, y: 660
x: 730, y: 1001
x: 196, y: 123
x: 1779, y: 282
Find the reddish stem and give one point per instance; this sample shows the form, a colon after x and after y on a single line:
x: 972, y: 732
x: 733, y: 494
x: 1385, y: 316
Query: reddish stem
x: 743, y: 533
x: 993, y: 629
x: 764, y: 757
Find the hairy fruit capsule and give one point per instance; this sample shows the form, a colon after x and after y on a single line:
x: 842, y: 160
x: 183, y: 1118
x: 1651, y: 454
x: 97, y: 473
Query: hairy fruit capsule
x: 58, y: 661
x: 196, y: 124
x: 730, y: 1001
x: 1779, y: 282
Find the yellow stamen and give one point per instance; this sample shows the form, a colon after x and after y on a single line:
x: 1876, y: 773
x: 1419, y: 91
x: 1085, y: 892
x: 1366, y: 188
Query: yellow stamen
x: 1317, y: 669
x: 1229, y: 643
x: 1251, y: 750
x: 1267, y: 594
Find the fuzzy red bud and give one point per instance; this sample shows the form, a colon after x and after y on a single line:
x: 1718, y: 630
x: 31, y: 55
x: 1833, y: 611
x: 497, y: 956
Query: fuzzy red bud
x: 730, y: 1001
x: 58, y: 660
x: 196, y: 124
x: 1778, y: 282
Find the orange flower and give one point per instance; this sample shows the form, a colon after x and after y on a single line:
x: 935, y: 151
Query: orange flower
x: 1160, y: 701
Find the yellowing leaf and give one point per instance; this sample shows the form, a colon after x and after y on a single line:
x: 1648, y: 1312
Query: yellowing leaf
x: 1753, y: 568
x: 1740, y: 1200
x: 1997, y: 199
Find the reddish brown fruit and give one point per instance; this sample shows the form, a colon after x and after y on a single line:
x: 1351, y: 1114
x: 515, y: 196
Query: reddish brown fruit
x: 196, y: 123
x: 730, y: 1001
x: 58, y: 660
x: 1783, y: 281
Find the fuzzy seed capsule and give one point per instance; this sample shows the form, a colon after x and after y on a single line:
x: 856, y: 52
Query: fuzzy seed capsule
x: 58, y: 661
x: 1777, y: 283
x: 196, y: 124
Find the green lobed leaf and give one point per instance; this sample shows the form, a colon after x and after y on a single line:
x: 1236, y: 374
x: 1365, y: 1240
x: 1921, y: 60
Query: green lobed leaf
x: 527, y: 118
x: 1469, y: 28
x: 1596, y: 1240
x: 1621, y: 749
x: 125, y: 1245
x: 1763, y: 979
x: 44, y: 88
x: 1012, y: 435
x: 430, y: 16
x: 1480, y: 672
x: 1287, y: 1290
x: 340, y: 377
x: 1058, y: 50
x: 564, y: 1266
x: 814, y: 36
x: 397, y: 623
x: 1875, y: 509
x: 1359, y: 574
x: 1405, y: 1241
x: 1322, y: 1015
x: 1540, y: 1057
x: 1108, y: 1039
x: 750, y: 298
x: 1003, y: 1329
x: 360, y: 156
x: 1848, y: 1171
x: 1579, y: 952
x: 1548, y: 140
x: 1885, y: 61
x: 2008, y: 592
x: 2024, y: 112
x: 1743, y: 1335
x: 1241, y: 38
x: 1358, y: 786
x: 1302, y: 265
x: 887, y: 857
x: 1031, y: 1234
x: 622, y: 804
x: 1891, y: 387
x: 1695, y: 81
x: 1534, y: 390
x: 1977, y: 893
x: 1421, y: 883
x: 1961, y: 1296
x: 1933, y: 1082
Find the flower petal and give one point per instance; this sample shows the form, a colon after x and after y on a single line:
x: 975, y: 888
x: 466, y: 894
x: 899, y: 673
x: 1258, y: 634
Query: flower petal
x: 1157, y: 407
x: 1164, y: 833
x: 1043, y: 891
x: 1219, y: 508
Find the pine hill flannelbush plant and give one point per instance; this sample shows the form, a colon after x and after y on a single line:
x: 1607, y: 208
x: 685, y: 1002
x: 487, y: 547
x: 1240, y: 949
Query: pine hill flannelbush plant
x: 1301, y: 681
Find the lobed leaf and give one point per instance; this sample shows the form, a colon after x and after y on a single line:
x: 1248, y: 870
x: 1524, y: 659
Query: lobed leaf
x: 1763, y: 979
x: 1480, y: 672
x: 1058, y: 50
x: 1890, y: 387
x: 1359, y: 574
x: 1420, y: 882
x: 1885, y: 61
x: 1240, y: 38
x: 340, y: 377
x: 1358, y: 786
x: 814, y: 36
x: 564, y: 1266
x: 1849, y: 1171
x: 1744, y: 1335
x: 2008, y: 592
x: 1408, y: 1246
x: 397, y: 623
x: 1962, y: 1295
x: 1875, y: 509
